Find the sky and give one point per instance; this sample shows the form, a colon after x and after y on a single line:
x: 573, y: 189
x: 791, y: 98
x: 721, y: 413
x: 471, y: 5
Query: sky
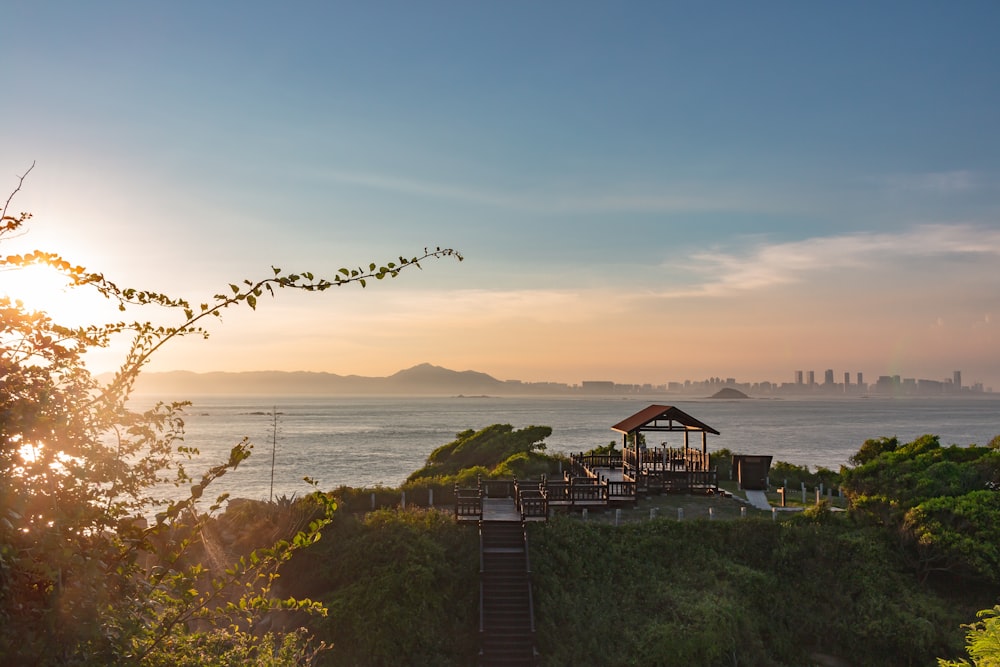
x: 643, y: 192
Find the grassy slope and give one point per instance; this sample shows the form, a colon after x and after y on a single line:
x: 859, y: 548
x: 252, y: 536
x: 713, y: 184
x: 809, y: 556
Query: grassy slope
x: 403, y: 589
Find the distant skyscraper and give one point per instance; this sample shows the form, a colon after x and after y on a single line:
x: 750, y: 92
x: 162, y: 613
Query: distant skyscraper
x: 798, y: 377
x: 958, y: 379
x: 812, y: 378
x: 861, y: 378
x: 828, y: 376
x: 847, y: 379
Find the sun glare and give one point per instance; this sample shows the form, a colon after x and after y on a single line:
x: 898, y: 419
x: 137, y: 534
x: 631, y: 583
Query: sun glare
x: 36, y: 285
x: 42, y: 288
x: 29, y: 452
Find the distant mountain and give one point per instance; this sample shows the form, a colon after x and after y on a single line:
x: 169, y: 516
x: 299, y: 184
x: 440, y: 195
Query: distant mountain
x: 423, y: 379
x: 427, y: 375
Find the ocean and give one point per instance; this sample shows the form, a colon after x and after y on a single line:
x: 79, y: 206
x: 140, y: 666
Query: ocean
x: 371, y: 441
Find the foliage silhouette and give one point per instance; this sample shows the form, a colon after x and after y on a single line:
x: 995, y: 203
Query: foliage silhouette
x: 95, y: 568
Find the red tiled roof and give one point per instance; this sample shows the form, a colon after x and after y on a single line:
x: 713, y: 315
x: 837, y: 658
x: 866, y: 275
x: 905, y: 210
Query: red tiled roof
x: 662, y: 413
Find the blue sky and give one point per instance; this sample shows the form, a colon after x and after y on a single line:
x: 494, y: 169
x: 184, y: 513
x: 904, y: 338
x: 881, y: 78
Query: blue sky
x: 644, y: 191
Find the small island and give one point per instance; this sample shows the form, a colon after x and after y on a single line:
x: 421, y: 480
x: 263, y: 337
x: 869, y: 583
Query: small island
x: 729, y: 392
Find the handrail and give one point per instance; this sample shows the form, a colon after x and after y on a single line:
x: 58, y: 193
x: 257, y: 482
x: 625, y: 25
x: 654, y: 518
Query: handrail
x: 533, y: 503
x: 503, y: 487
x: 482, y: 572
x: 527, y: 567
x: 621, y: 489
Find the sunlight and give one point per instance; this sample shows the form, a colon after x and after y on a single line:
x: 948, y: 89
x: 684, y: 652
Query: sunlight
x: 42, y: 288
x: 29, y: 452
x: 38, y: 286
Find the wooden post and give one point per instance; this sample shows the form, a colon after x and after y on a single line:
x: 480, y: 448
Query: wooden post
x: 711, y: 513
x: 430, y: 496
x: 743, y: 511
x: 584, y: 513
x: 774, y: 514
x: 803, y: 493
x: 373, y: 500
x: 618, y: 517
x: 402, y: 500
x: 781, y: 492
x: 680, y: 513
x: 818, y: 491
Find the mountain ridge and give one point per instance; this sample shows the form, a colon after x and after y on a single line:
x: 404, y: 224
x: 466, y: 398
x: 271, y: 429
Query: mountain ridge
x: 422, y: 379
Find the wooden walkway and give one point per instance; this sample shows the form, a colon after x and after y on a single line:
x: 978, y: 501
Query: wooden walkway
x: 500, y: 509
x: 593, y: 481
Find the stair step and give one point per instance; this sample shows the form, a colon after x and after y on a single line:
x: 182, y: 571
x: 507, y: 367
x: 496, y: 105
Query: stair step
x: 506, y: 608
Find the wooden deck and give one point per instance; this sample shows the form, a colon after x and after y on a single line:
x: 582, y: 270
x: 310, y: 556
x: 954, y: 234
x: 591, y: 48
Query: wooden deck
x: 593, y: 481
x: 500, y: 509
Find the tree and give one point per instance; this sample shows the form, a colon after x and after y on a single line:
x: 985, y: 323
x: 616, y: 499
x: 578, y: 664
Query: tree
x: 498, y: 449
x: 942, y: 502
x: 982, y: 641
x: 93, y: 570
x: 873, y: 448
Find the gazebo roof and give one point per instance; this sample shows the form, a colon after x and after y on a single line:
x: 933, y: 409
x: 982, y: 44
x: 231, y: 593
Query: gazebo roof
x: 650, y: 419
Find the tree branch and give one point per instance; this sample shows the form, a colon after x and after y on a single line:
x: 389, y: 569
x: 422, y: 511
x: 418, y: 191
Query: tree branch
x: 20, y: 182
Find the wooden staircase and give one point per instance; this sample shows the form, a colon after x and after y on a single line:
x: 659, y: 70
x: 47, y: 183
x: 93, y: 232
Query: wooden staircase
x: 506, y: 617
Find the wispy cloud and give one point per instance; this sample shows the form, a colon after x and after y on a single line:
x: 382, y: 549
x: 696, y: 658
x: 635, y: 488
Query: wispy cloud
x: 940, y: 182
x: 765, y: 265
x: 429, y: 189
x: 614, y: 197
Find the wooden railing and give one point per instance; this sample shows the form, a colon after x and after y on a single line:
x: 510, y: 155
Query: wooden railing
x: 482, y: 576
x: 533, y: 504
x: 599, y: 460
x: 557, y: 490
x: 623, y: 489
x: 498, y: 488
x: 468, y: 503
x: 666, y: 458
x: 531, y: 597
x: 582, y: 489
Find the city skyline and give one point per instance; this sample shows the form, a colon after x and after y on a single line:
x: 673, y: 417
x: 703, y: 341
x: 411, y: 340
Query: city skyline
x: 801, y: 382
x: 428, y: 378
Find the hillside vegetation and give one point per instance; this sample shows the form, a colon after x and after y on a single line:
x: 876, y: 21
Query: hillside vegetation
x: 402, y: 586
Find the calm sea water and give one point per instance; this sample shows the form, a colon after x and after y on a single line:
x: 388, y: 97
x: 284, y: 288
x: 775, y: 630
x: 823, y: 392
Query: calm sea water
x: 365, y: 442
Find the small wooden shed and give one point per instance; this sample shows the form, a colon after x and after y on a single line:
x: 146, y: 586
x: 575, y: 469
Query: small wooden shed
x: 751, y: 471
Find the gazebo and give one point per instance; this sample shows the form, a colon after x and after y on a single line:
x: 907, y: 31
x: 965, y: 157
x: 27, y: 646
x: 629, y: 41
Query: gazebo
x: 666, y: 468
